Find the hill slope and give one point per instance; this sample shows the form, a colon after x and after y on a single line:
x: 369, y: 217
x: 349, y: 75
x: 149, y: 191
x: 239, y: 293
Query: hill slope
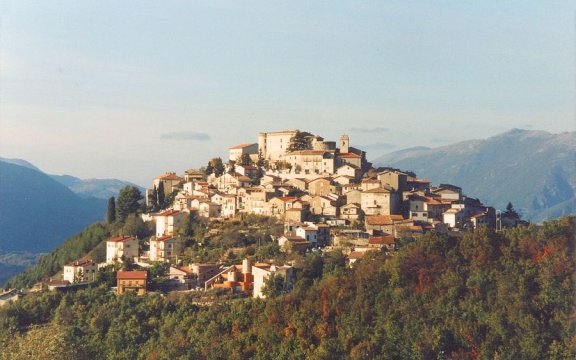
x: 37, y: 213
x: 535, y: 170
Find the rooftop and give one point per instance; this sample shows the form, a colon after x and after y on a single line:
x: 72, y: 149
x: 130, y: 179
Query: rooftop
x: 128, y: 275
x: 121, y: 238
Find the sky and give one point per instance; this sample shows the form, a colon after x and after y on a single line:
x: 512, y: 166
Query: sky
x: 132, y: 89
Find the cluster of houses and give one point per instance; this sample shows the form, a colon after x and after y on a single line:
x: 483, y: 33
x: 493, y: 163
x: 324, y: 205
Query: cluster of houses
x: 247, y: 278
x: 321, y: 185
x: 327, y: 196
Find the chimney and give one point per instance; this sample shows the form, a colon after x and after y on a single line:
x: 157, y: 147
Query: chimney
x: 246, y: 266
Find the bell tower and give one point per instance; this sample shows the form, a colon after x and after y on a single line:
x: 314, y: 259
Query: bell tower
x: 344, y: 144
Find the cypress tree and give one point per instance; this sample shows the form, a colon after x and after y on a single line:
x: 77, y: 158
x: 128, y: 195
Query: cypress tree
x: 161, y: 195
x: 111, y: 213
x: 154, y: 200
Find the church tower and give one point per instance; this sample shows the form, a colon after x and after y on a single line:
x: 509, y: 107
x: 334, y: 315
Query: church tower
x: 344, y: 144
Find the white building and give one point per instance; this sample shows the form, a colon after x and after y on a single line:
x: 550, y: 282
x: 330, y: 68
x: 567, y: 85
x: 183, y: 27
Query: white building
x: 167, y: 222
x: 80, y: 271
x: 262, y: 271
x: 236, y: 152
x: 124, y: 246
x: 164, y: 248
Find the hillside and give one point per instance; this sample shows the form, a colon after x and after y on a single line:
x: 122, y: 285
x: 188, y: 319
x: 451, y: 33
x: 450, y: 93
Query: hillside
x: 535, y: 170
x: 482, y: 296
x: 37, y: 213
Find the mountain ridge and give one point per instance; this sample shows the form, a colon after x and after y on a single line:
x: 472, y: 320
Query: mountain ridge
x: 533, y: 169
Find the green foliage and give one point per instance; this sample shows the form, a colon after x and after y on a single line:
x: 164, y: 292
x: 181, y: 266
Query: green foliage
x: 298, y: 142
x: 161, y: 196
x: 72, y: 249
x: 128, y: 202
x: 485, y: 296
x: 217, y: 166
x: 274, y: 285
x: 245, y: 160
x: 209, y: 169
x: 511, y: 212
x: 153, y: 205
x: 135, y: 226
x: 111, y: 212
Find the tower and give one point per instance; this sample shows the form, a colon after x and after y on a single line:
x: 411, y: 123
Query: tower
x: 344, y: 144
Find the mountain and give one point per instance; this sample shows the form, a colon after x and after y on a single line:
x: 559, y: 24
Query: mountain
x: 37, y: 213
x: 97, y: 188
x: 535, y: 170
x: 20, y: 162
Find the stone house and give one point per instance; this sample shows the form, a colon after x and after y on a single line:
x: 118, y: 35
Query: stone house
x: 131, y: 281
x: 379, y: 201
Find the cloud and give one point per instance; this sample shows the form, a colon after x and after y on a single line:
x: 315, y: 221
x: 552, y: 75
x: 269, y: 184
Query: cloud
x: 185, y: 135
x: 374, y: 130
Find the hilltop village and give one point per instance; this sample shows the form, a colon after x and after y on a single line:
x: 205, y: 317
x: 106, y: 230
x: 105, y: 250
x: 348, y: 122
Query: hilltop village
x: 324, y: 195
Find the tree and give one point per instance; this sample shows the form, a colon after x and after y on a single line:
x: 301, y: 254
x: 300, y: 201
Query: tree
x: 154, y: 200
x: 128, y: 202
x: 209, y: 170
x: 218, y: 166
x: 245, y: 160
x: 161, y: 196
x: 511, y: 212
x: 298, y: 142
x: 111, y: 213
x: 273, y: 285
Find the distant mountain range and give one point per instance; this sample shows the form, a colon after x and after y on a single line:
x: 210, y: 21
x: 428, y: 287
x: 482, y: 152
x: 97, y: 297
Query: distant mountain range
x: 97, y: 188
x: 38, y: 211
x: 535, y: 170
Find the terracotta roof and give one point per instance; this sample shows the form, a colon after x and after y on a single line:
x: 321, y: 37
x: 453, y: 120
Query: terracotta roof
x: 452, y: 211
x: 168, y: 213
x: 348, y: 155
x: 420, y: 181
x: 383, y: 219
x: 122, y: 238
x: 379, y: 190
x: 183, y: 269
x: 241, y: 146
x: 479, y: 215
x: 286, y: 198
x: 165, y: 238
x: 82, y: 262
x: 378, y: 240
x: 169, y: 176
x: 132, y: 275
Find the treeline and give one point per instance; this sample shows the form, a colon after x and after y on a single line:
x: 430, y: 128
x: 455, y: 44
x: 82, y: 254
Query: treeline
x: 508, y: 295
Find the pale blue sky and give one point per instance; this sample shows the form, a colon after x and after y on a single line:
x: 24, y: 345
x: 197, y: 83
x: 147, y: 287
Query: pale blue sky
x: 130, y: 89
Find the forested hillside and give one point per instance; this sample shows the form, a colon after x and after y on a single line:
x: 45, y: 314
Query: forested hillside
x: 484, y: 296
